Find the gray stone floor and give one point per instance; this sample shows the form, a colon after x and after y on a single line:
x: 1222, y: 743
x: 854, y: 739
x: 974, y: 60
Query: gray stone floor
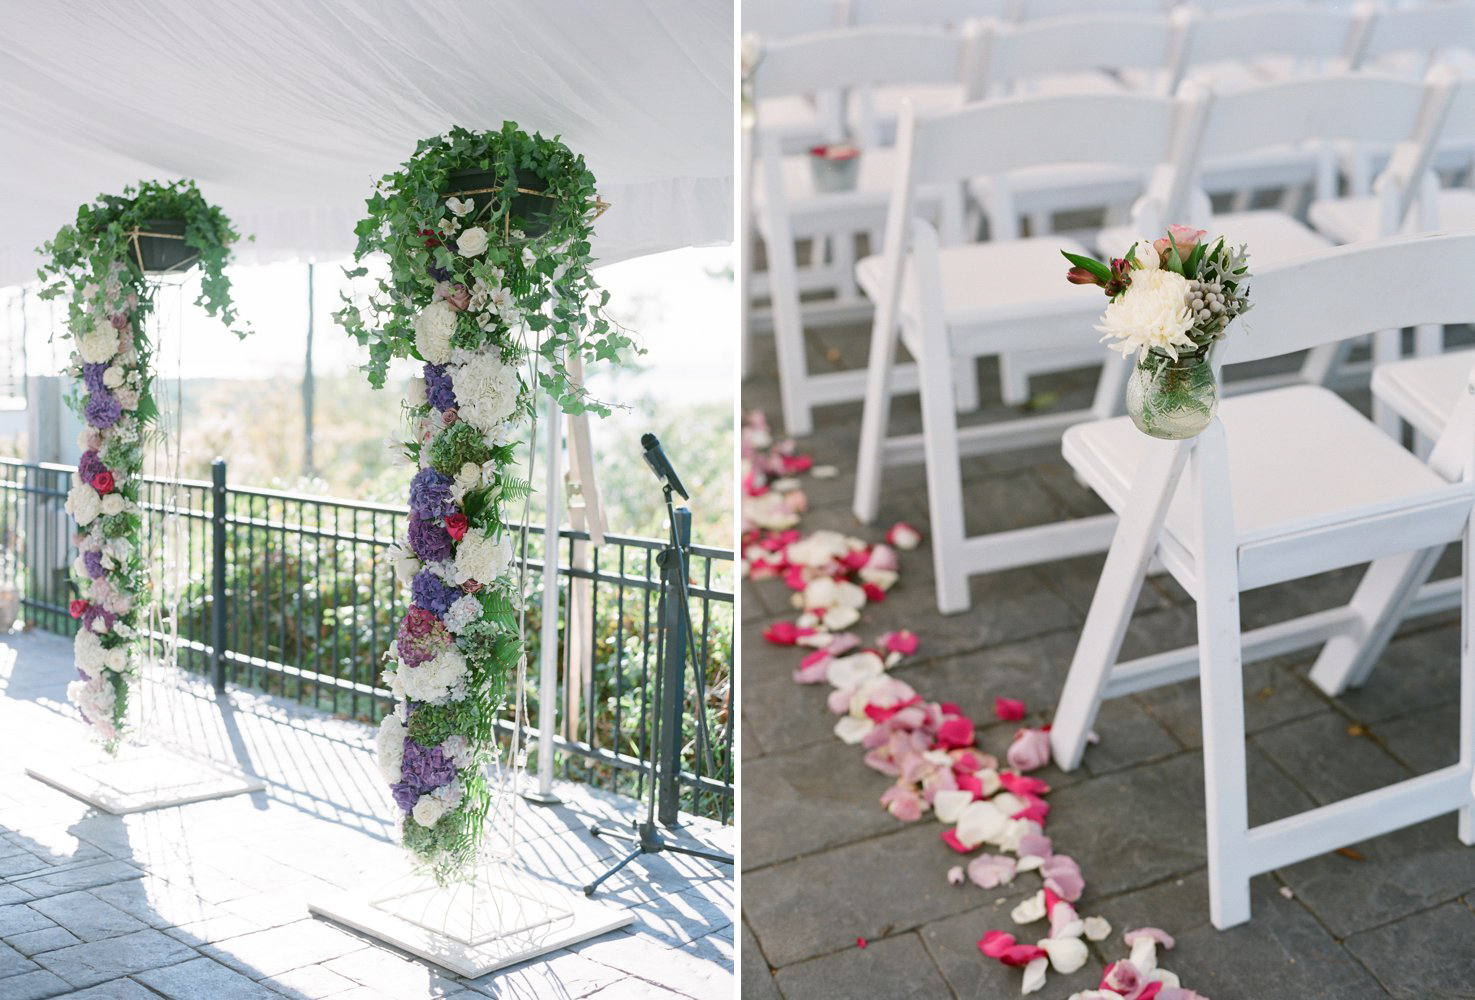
x: 209, y: 900
x: 823, y: 864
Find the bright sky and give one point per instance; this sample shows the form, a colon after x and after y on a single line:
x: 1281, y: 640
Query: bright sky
x: 682, y: 304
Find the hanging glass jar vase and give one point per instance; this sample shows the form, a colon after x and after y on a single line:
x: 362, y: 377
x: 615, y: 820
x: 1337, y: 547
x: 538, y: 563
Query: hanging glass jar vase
x: 1172, y: 398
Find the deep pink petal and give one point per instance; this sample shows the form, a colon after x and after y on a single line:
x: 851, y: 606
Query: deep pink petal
x: 1021, y: 784
x: 955, y: 732
x: 1008, y: 709
x: 950, y: 838
x: 995, y: 943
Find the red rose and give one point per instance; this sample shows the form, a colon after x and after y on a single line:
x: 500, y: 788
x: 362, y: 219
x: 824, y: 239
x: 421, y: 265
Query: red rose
x: 456, y: 525
x: 431, y: 240
x: 103, y: 482
x: 77, y: 608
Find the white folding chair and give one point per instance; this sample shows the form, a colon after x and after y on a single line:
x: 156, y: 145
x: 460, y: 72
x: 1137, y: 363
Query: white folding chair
x: 788, y: 208
x: 953, y: 304
x: 1251, y: 46
x: 1282, y: 485
x: 1086, y: 53
x: 1409, y: 41
x: 1034, y: 10
x: 1313, y: 112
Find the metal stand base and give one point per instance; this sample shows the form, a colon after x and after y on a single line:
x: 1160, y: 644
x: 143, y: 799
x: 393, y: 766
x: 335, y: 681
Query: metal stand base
x: 144, y: 777
x: 647, y: 840
x: 505, y: 917
x: 540, y: 799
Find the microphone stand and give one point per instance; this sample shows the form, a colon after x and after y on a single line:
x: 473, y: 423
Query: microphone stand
x: 665, y: 727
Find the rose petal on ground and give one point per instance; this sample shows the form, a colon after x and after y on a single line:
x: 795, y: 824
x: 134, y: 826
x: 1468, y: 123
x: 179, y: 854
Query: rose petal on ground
x: 824, y: 472
x: 950, y: 838
x: 839, y: 619
x: 902, y: 801
x: 1097, y: 928
x: 854, y: 670
x: 1008, y: 709
x: 1161, y: 975
x: 904, y: 642
x: 1036, y: 844
x: 1095, y: 995
x: 814, y: 668
x: 1157, y: 934
x: 995, y: 943
x: 1020, y: 784
x: 955, y: 875
x: 1144, y: 955
x: 1029, y: 862
x: 883, y: 558
x: 785, y: 633
x: 1124, y: 978
x: 860, y: 942
x: 903, y: 536
x: 989, y: 871
x: 1034, y: 976
x: 1030, y: 910
x: 852, y: 730
x: 980, y: 821
x: 1030, y: 750
x: 949, y: 805
x: 1063, y: 875
x: 955, y: 732
x: 1067, y: 954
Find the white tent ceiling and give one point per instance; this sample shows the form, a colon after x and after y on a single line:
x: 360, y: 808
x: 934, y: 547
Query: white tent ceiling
x: 286, y: 111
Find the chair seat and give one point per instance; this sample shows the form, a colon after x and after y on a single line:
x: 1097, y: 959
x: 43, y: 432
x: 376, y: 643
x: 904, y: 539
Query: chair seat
x: 1288, y: 451
x: 1352, y: 220
x: 1271, y: 236
x: 1424, y: 391
x: 884, y: 104
x: 863, y: 207
x: 1068, y: 185
x: 984, y: 283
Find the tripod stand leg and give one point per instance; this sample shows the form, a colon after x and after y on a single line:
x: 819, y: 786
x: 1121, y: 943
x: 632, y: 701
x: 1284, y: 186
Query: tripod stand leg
x: 600, y: 831
x: 717, y: 856
x: 589, y: 889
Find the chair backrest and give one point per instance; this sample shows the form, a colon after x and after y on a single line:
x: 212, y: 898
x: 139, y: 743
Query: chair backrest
x: 858, y: 57
x: 1011, y: 53
x: 1302, y: 31
x: 776, y: 19
x: 1424, y: 30
x: 1031, y: 10
x: 1350, y: 290
x: 923, y: 13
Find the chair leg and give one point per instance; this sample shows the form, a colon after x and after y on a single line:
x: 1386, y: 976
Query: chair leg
x: 1221, y: 687
x: 788, y: 331
x: 1013, y: 380
x: 874, y: 420
x: 944, y: 470
x: 965, y: 385
x: 1380, y: 603
x: 1467, y: 679
x: 1127, y: 562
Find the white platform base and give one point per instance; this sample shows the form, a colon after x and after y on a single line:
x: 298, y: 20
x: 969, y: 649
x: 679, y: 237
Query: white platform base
x: 505, y: 917
x: 143, y: 777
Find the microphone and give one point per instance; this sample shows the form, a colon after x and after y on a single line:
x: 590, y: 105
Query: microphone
x: 656, y: 458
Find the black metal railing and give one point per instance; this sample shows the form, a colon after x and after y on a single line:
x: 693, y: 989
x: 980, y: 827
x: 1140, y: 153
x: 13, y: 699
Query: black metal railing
x: 290, y: 594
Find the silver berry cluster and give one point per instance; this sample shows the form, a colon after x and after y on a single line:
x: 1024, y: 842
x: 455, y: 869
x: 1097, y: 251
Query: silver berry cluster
x: 1210, y: 307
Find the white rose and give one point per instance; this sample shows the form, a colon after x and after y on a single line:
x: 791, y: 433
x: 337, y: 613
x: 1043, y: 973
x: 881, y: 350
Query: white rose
x: 468, y: 479
x: 415, y: 394
x: 112, y: 504
x: 83, y: 504
x: 472, y: 242
x: 433, y: 329
x: 112, y: 377
x: 100, y: 344
x: 428, y: 810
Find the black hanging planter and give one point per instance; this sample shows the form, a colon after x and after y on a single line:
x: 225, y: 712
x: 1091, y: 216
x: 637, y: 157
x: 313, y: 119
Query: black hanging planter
x: 531, y: 208
x: 159, y: 247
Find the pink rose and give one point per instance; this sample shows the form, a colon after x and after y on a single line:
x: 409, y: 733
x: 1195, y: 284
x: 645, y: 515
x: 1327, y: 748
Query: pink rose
x: 1183, y: 237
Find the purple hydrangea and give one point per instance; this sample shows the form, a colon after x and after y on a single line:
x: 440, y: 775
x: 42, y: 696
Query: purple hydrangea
x: 103, y: 409
x: 89, y: 465
x: 438, y: 388
x: 92, y: 377
x: 430, y: 540
x: 432, y: 593
x: 422, y: 770
x: 93, y: 561
x: 93, y: 613
x: 430, y: 495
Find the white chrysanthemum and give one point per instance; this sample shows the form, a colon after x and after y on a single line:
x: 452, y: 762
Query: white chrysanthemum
x: 437, y: 681
x: 404, y: 561
x: 433, y: 329
x: 428, y: 810
x: 486, y: 390
x: 416, y: 395
x: 482, y: 558
x: 389, y: 748
x: 1151, y: 314
x: 463, y: 611
x: 100, y: 343
x: 83, y: 504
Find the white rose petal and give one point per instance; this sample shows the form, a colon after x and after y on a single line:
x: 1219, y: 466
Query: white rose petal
x: 1067, y: 954
x: 1030, y: 910
x: 1097, y: 928
x: 1034, y: 976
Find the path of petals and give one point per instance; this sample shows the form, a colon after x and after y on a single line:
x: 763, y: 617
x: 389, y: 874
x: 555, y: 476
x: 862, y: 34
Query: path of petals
x: 928, y: 748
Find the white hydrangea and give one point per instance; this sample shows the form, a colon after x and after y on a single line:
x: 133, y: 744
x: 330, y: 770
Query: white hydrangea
x: 83, y: 504
x: 458, y: 750
x: 96, y: 699
x: 433, y: 329
x: 462, y: 612
x: 100, y: 343
x: 88, y: 654
x: 1151, y: 314
x: 482, y: 558
x: 428, y: 810
x: 449, y: 794
x: 486, y: 390
x: 437, y: 681
x: 389, y: 748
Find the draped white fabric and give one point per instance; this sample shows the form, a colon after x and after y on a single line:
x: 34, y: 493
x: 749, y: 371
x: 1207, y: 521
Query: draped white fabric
x: 286, y: 111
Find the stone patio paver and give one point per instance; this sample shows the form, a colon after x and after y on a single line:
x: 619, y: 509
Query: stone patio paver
x: 824, y: 864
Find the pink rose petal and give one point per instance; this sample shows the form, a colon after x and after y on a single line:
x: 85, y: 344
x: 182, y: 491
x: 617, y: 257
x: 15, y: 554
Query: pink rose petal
x: 786, y: 633
x: 904, y: 642
x: 950, y: 838
x: 989, y: 871
x: 1030, y: 750
x: 955, y: 732
x: 902, y: 801
x: 955, y: 875
x: 1162, y: 937
x: 1036, y: 844
x: 903, y: 536
x: 1063, y: 876
x: 1008, y: 709
x: 1022, y: 785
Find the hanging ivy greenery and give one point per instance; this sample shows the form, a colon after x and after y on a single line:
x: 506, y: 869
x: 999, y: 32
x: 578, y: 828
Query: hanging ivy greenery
x: 101, y: 263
